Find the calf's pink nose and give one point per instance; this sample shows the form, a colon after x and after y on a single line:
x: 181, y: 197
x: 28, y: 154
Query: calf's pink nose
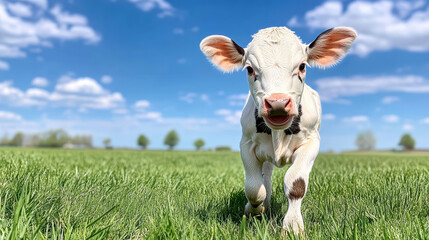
x: 277, y: 104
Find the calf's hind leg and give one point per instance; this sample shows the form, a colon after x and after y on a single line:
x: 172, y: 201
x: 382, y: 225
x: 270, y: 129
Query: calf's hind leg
x: 254, y: 184
x: 296, y: 182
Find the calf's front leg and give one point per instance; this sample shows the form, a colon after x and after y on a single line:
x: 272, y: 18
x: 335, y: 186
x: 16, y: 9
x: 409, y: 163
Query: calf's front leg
x: 296, y: 182
x: 254, y: 184
x: 267, y: 172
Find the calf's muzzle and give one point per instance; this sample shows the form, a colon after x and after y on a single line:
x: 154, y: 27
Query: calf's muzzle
x: 277, y: 104
x: 277, y: 109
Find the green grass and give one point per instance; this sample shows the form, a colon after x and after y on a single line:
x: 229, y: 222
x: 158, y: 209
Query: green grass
x: 97, y: 194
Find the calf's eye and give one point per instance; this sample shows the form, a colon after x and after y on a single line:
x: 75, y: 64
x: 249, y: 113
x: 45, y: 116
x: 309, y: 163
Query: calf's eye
x: 249, y: 70
x: 302, y: 67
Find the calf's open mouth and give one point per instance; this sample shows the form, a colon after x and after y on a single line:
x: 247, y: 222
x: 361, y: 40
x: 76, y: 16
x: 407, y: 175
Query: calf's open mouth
x: 278, y: 120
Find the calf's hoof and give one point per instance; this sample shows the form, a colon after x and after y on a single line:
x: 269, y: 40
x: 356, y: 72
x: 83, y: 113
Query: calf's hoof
x: 267, y: 208
x: 293, y: 224
x: 284, y: 233
x: 251, y: 211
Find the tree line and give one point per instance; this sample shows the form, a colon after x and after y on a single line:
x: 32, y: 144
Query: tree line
x: 55, y: 138
x: 366, y: 141
x: 59, y: 138
x: 171, y: 140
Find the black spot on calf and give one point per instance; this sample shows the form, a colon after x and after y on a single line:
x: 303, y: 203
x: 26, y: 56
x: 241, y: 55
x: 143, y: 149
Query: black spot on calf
x: 294, y: 128
x: 261, y: 127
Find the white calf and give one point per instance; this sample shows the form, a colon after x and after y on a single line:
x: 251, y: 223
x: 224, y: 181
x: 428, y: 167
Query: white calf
x: 281, y: 118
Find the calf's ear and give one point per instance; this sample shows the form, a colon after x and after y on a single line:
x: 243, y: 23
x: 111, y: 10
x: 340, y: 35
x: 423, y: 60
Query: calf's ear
x: 223, y: 52
x: 330, y: 46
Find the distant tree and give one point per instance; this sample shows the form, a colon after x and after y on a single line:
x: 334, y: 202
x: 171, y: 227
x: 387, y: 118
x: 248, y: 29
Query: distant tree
x: 4, y: 141
x: 17, y: 139
x: 407, y: 141
x: 32, y: 140
x: 143, y: 141
x: 106, y: 142
x: 87, y: 141
x: 171, y: 139
x: 366, y: 141
x: 199, y: 143
x: 81, y: 140
x: 53, y: 138
x: 223, y: 149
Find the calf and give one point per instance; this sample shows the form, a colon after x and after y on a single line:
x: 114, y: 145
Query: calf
x: 281, y: 118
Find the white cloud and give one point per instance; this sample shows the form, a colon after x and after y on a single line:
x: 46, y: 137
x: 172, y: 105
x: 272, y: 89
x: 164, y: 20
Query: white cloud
x: 238, y: 96
x: 9, y: 116
x: 204, y: 97
x: 67, y: 18
x: 333, y: 88
x: 234, y: 118
x: 4, y: 65
x: 390, y: 118
x: 191, y: 97
x: 389, y: 99
x: 65, y: 31
x: 19, y: 9
x: 40, y: 82
x: 40, y: 3
x: 426, y: 120
x: 141, y: 104
x: 19, y: 33
x: 83, y: 85
x: 195, y: 29
x: 223, y: 112
x: 356, y: 119
x: 293, y: 22
x: 106, y: 79
x: 82, y: 93
x: 237, y: 99
x: 407, y: 127
x: 37, y: 93
x: 120, y: 111
x: 148, y: 5
x: 230, y: 116
x: 150, y: 116
x: 404, y: 8
x: 236, y: 103
x: 342, y: 101
x: 378, y: 26
x: 15, y: 97
x: 328, y: 116
x: 103, y: 101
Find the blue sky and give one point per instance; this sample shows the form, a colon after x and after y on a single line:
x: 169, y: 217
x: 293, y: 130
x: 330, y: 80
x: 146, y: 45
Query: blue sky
x: 120, y: 68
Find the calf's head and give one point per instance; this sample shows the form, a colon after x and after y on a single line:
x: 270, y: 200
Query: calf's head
x: 276, y: 61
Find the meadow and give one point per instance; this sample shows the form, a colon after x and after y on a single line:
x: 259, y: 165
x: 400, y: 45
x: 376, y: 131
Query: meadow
x: 124, y: 194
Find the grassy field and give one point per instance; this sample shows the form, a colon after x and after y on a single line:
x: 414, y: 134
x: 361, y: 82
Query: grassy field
x: 98, y: 194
